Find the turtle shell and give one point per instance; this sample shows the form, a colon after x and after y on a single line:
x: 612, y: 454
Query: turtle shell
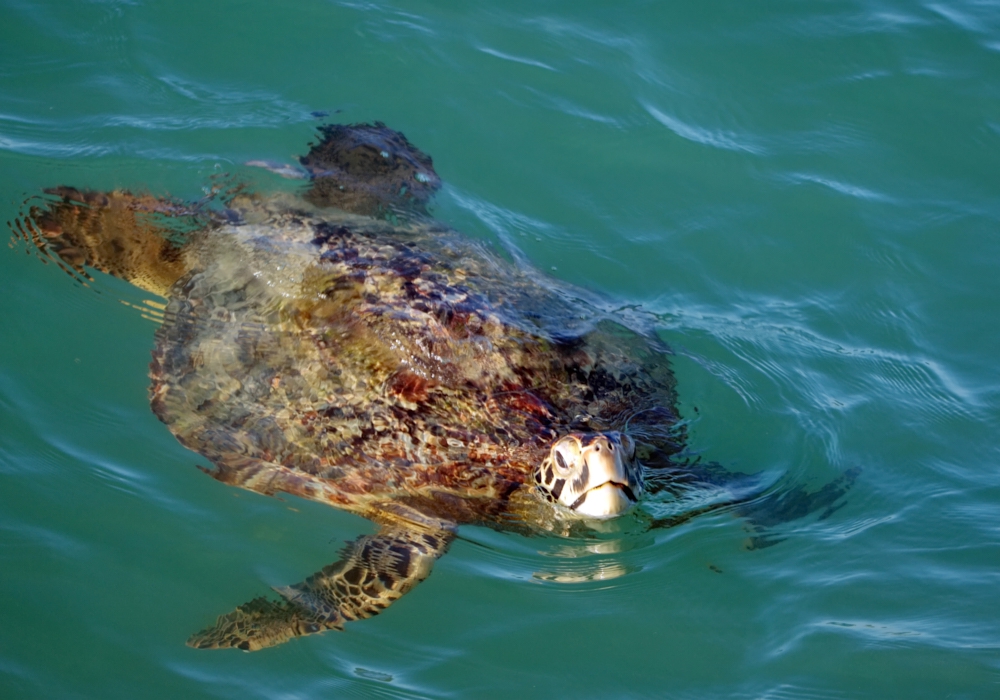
x: 357, y: 361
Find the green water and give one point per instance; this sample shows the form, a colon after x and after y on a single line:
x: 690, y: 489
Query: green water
x: 803, y: 198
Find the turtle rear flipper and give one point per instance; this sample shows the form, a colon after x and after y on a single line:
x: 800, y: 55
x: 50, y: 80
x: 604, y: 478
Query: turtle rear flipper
x: 766, y: 509
x: 368, y: 169
x: 764, y: 516
x: 137, y: 238
x: 373, y: 573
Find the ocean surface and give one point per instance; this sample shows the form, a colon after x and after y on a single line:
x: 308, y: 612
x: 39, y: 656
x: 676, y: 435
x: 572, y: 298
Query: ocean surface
x: 801, y: 198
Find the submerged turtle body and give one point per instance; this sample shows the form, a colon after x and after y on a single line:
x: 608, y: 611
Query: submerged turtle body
x: 357, y: 362
x: 343, y: 348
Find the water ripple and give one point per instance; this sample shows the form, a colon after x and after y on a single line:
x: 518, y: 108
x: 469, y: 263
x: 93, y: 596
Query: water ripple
x: 786, y: 354
x: 957, y: 17
x: 708, y: 137
x: 31, y: 537
x: 562, y: 27
x: 841, y: 187
x: 515, y: 59
x: 568, y: 107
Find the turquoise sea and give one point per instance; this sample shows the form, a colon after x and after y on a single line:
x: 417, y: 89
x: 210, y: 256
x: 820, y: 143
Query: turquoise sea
x: 802, y: 198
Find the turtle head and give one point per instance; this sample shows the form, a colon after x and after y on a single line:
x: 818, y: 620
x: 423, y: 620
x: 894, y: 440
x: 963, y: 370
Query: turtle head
x: 593, y: 474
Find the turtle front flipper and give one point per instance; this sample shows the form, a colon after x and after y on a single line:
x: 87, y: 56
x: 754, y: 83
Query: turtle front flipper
x: 137, y: 238
x: 373, y: 573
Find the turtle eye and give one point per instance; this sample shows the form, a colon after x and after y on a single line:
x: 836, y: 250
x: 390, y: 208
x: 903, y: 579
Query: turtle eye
x: 561, y: 462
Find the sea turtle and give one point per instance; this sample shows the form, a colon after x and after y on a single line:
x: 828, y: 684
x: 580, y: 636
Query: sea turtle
x: 340, y: 346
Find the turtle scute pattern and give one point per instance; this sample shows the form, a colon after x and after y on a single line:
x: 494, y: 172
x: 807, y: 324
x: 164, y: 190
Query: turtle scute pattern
x: 370, y: 368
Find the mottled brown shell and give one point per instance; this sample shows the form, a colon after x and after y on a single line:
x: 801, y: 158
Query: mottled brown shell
x: 356, y: 362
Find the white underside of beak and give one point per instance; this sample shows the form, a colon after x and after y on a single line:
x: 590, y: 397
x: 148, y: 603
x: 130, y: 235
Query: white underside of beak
x: 604, y: 501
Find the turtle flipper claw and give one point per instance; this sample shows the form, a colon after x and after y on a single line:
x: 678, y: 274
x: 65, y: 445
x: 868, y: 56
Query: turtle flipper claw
x: 259, y: 624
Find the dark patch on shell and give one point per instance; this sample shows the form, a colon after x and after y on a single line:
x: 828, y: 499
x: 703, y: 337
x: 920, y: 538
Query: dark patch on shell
x: 409, y: 386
